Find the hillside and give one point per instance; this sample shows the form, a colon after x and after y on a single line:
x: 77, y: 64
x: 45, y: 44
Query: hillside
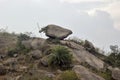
x: 55, y: 58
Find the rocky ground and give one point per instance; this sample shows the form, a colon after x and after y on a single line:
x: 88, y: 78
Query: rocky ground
x: 28, y: 59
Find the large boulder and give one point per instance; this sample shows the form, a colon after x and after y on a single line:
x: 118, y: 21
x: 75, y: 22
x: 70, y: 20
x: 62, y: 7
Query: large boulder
x: 116, y: 73
x: 83, y: 56
x: 85, y: 74
x: 38, y: 43
x: 56, y: 32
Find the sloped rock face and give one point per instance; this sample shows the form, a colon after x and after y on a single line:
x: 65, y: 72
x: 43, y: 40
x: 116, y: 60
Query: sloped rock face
x: 56, y: 32
x: 85, y: 74
x: 116, y: 73
x: 81, y: 55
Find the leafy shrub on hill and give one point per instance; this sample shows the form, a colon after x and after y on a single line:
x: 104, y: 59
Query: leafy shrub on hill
x: 22, y: 37
x: 114, y: 58
x: 19, y: 47
x: 68, y: 75
x: 60, y: 57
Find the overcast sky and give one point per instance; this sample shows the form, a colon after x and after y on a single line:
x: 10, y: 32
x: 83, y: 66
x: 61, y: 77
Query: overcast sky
x: 95, y: 20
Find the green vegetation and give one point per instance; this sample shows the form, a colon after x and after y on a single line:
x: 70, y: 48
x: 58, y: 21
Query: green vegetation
x: 114, y: 58
x: 106, y: 75
x: 22, y: 37
x: 68, y: 75
x: 60, y: 57
x: 19, y: 47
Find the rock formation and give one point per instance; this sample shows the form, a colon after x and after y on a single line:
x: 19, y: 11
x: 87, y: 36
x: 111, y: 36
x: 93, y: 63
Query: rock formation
x: 56, y: 32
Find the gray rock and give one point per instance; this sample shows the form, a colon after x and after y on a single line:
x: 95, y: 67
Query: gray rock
x: 81, y: 55
x: 27, y: 43
x: 36, y: 54
x: 56, y: 32
x: 116, y: 73
x: 85, y: 74
x: 38, y: 43
x: 44, y: 61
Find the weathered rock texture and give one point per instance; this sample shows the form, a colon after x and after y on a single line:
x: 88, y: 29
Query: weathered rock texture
x: 81, y: 55
x: 116, y: 73
x: 85, y: 74
x: 56, y: 32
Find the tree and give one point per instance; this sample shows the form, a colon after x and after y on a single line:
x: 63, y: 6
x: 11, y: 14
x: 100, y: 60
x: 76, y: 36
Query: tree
x: 114, y: 58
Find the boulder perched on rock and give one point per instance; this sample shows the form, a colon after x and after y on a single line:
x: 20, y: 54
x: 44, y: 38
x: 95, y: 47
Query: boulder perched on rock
x: 56, y: 32
x: 85, y: 74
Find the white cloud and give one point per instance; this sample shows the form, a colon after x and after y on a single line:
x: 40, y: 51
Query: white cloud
x: 78, y: 1
x: 113, y: 8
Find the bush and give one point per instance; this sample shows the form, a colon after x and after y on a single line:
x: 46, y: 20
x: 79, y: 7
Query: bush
x: 68, y: 75
x: 60, y: 57
x: 22, y: 37
x: 114, y: 58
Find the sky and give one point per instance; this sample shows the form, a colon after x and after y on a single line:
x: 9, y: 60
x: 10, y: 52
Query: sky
x: 95, y: 20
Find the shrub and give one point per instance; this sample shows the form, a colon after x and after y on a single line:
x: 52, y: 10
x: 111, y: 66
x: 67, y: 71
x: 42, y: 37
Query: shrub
x: 22, y: 37
x: 68, y: 75
x: 60, y: 57
x: 114, y: 58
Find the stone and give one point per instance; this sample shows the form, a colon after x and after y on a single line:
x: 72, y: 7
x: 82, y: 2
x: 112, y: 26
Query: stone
x: 38, y: 43
x: 85, y: 74
x: 44, y: 61
x: 27, y: 43
x: 36, y: 54
x: 116, y: 73
x: 56, y: 32
x: 81, y: 55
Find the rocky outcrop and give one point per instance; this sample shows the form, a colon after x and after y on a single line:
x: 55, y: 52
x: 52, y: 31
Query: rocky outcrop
x: 85, y: 74
x: 38, y: 43
x: 56, y: 32
x: 81, y: 55
x: 116, y: 73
